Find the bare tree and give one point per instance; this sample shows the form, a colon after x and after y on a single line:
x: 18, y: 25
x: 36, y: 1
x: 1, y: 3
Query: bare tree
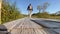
x: 39, y: 8
x: 45, y: 5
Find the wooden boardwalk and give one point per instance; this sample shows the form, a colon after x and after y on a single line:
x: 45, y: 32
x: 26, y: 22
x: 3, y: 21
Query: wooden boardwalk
x: 49, y: 24
x: 27, y: 26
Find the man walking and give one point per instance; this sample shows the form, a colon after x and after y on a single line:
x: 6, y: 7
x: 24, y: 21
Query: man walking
x: 30, y: 9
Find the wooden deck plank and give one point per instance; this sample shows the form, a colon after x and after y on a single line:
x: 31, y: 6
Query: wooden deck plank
x: 47, y: 24
x: 57, y: 30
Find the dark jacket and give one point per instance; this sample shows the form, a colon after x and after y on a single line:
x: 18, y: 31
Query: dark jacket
x: 29, y: 7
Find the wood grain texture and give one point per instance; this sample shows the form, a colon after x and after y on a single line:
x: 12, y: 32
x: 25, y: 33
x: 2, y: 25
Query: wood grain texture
x: 26, y: 26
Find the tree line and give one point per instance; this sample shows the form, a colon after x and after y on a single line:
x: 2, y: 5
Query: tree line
x: 9, y: 12
x: 43, y: 14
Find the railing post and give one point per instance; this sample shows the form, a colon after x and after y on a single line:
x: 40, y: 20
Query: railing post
x: 0, y: 10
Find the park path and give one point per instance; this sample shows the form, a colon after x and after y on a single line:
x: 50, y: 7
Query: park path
x: 32, y: 26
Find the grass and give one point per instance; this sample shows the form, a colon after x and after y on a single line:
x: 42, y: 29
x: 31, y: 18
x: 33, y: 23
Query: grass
x: 51, y: 17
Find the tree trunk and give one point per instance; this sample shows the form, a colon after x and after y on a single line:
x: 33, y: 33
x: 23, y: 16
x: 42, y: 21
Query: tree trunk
x: 0, y: 10
x: 39, y: 11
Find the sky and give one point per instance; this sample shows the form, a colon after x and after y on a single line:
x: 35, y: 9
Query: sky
x: 54, y: 5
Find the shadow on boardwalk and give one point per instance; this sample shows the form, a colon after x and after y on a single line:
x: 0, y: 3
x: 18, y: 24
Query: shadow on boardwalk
x: 49, y: 30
